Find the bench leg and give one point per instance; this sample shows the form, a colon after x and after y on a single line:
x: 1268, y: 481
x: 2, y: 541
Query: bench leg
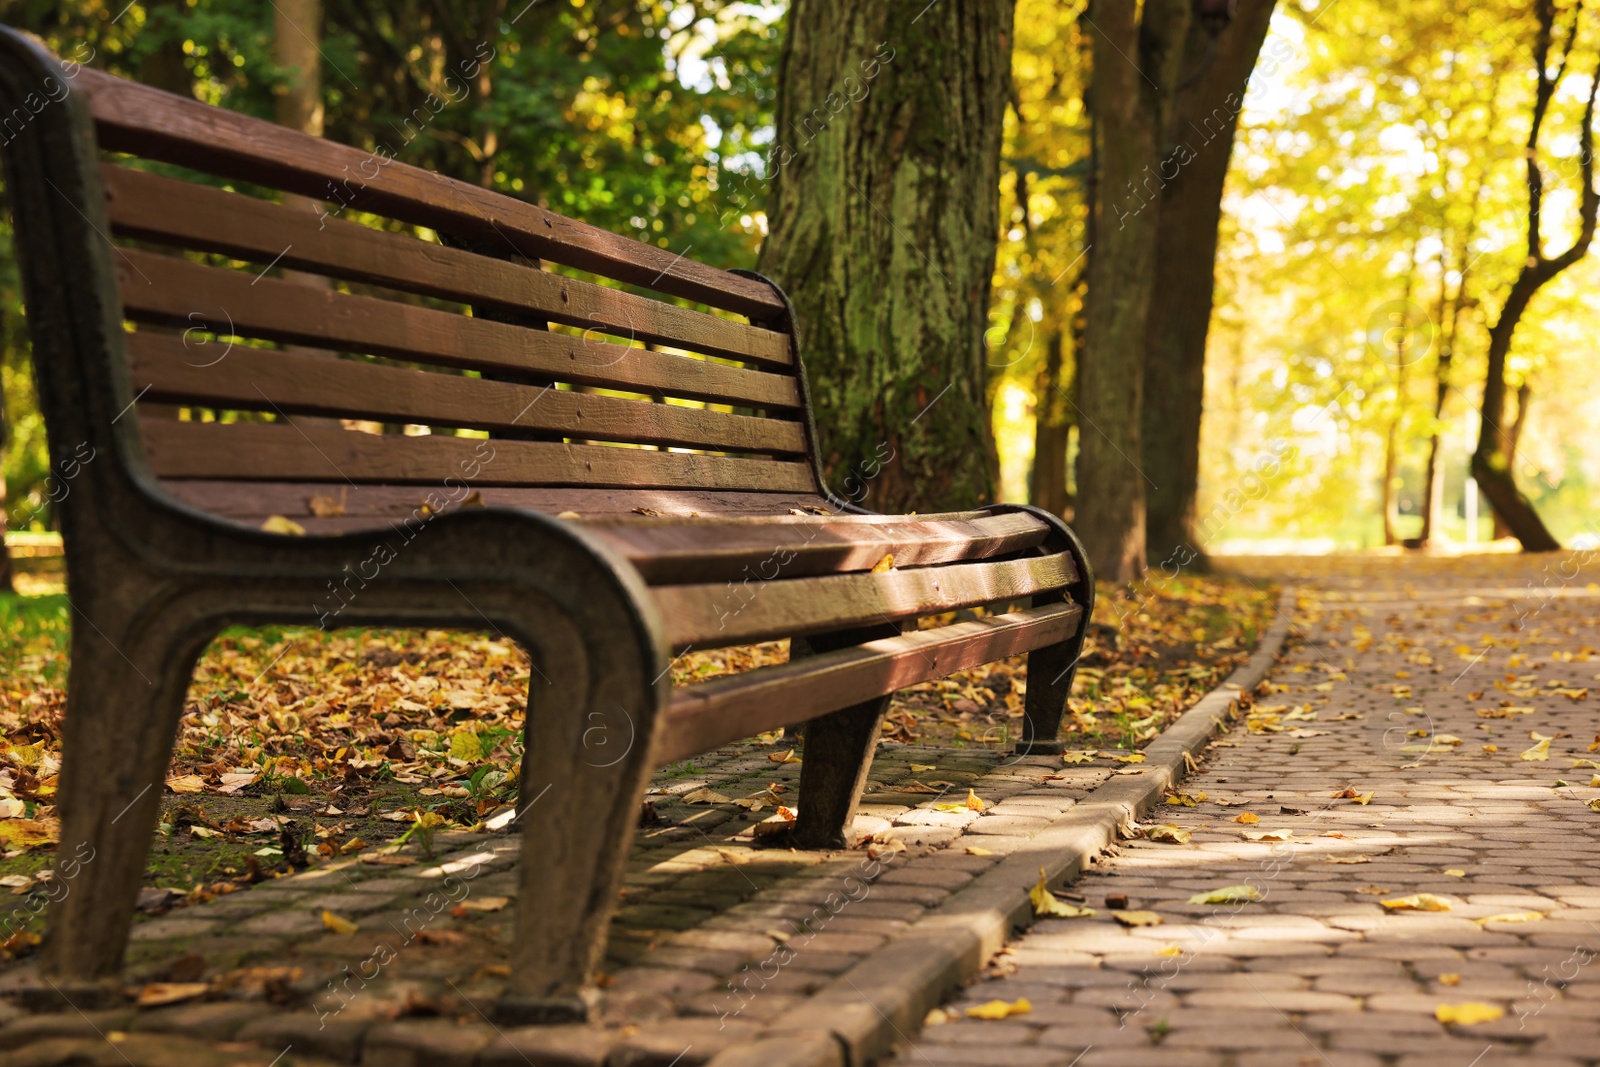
x: 838, y: 751
x: 125, y: 693
x: 1050, y: 674
x: 585, y: 768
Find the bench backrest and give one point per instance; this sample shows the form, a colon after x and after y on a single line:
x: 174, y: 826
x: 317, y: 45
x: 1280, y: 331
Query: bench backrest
x: 455, y: 323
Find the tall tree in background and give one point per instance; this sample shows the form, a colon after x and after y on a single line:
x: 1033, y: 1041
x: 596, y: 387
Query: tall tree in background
x: 883, y: 216
x: 1138, y: 58
x: 1218, y: 61
x: 1491, y: 461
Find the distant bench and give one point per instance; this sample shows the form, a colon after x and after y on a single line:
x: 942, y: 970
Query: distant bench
x: 241, y: 399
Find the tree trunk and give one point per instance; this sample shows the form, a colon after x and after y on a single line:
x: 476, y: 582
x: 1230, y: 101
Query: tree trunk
x: 1510, y: 442
x: 1491, y: 465
x: 884, y: 220
x: 1051, y: 429
x: 1207, y: 116
x: 1138, y: 52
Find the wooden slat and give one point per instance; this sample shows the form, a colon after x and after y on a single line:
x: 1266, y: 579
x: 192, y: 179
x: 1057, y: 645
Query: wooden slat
x: 255, y: 379
x: 169, y: 211
x: 157, y: 125
x: 164, y: 289
x: 276, y: 452
x: 708, y: 550
x: 727, y: 614
x: 347, y: 507
x: 701, y: 717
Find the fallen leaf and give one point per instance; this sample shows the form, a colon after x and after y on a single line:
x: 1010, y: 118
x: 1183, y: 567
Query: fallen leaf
x: 1360, y: 857
x: 1366, y: 798
x: 1456, y: 872
x: 884, y: 564
x: 1185, y: 800
x: 1228, y: 894
x: 278, y: 524
x: 338, y: 924
x: 706, y: 796
x: 1077, y: 757
x: 1491, y: 748
x: 1468, y: 1014
x: 1247, y: 817
x: 1169, y: 950
x: 978, y: 850
x: 1512, y: 917
x: 1132, y: 757
x: 919, y: 768
x: 1045, y: 904
x: 157, y: 993
x: 975, y: 802
x: 1167, y: 832
x: 1137, y: 918
x: 1450, y: 978
x: 485, y: 903
x: 1539, y: 752
x: 28, y: 833
x: 1417, y: 902
x: 1267, y: 835
x: 233, y: 782
x: 1446, y: 739
x: 783, y: 757
x: 1594, y: 805
x: 186, y: 783
x: 1000, y: 1009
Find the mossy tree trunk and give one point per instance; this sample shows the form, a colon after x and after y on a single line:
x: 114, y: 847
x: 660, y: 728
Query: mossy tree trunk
x: 1216, y: 73
x: 883, y: 222
x: 1138, y: 53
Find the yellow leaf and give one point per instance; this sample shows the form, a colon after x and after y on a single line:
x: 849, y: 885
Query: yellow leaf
x: 1456, y: 872
x: 784, y: 757
x: 1045, y: 904
x: 1228, y: 894
x: 465, y: 745
x: 1366, y: 798
x: 279, y: 525
x: 978, y: 850
x: 1539, y: 752
x: 1137, y: 918
x: 1446, y: 739
x: 1185, y: 800
x: 706, y: 796
x: 1491, y: 748
x: 1450, y: 978
x: 1167, y: 832
x: 884, y: 564
x: 338, y: 924
x: 28, y: 833
x: 1083, y: 756
x: 1169, y: 950
x: 1247, y: 817
x: 158, y: 993
x: 186, y: 783
x: 1000, y: 1009
x: 1468, y: 1014
x: 1268, y: 835
x: 1512, y: 917
x: 1589, y: 763
x: 1132, y: 757
x: 975, y: 802
x: 1417, y: 902
x: 919, y: 768
x: 1594, y: 805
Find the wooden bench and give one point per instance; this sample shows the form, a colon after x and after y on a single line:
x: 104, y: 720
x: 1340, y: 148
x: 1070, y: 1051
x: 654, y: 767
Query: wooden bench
x: 637, y: 475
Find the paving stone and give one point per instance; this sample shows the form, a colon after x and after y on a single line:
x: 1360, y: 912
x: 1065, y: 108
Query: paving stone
x: 424, y: 1043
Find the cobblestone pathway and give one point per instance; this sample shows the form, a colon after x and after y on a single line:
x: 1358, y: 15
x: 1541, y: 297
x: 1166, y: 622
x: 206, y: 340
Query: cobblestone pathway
x: 1425, y: 693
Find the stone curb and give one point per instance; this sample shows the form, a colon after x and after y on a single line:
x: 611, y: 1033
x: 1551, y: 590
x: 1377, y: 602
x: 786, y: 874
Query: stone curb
x: 884, y: 998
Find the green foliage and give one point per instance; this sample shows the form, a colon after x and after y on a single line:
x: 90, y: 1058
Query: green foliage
x: 645, y: 119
